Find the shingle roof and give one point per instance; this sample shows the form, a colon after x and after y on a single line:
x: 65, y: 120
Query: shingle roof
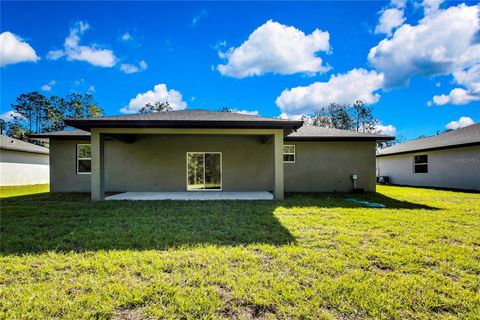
x: 469, y: 135
x: 9, y: 143
x: 309, y: 132
x: 184, y: 119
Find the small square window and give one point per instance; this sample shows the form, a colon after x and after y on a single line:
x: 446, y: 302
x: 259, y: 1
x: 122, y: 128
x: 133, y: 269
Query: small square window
x: 420, y: 164
x: 289, y: 154
x: 84, y: 159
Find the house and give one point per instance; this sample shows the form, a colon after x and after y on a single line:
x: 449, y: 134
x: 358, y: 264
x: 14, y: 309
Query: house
x: 199, y: 150
x: 448, y: 160
x: 22, y: 163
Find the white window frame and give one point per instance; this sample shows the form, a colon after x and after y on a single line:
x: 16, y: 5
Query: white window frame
x: 221, y: 171
x: 290, y: 153
x: 420, y: 163
x: 78, y: 158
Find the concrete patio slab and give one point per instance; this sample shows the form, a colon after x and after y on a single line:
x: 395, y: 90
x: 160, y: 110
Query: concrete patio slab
x: 206, y: 195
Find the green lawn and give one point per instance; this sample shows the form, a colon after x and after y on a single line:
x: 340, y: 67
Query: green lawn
x: 310, y: 256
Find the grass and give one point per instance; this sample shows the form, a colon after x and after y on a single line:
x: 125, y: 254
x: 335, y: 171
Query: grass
x: 15, y: 191
x: 307, y: 257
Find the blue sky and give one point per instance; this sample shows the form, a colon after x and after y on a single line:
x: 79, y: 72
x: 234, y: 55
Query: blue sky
x: 274, y: 58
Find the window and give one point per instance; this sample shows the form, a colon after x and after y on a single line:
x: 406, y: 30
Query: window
x: 204, y: 171
x: 289, y: 154
x: 84, y: 159
x: 420, y: 164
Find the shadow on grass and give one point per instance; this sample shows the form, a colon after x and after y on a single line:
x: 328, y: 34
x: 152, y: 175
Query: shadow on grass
x: 64, y: 222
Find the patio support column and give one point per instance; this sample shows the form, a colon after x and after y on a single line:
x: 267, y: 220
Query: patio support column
x: 97, y: 176
x: 278, y: 164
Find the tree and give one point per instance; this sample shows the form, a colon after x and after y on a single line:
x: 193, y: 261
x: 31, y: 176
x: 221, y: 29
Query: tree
x: 34, y: 112
x: 363, y: 117
x: 30, y: 111
x: 334, y: 116
x: 157, y: 106
x: 226, y: 109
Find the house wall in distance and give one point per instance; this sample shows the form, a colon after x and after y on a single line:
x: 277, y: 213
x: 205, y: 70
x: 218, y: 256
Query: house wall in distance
x: 23, y: 168
x: 457, y: 168
x: 158, y: 163
x: 322, y: 166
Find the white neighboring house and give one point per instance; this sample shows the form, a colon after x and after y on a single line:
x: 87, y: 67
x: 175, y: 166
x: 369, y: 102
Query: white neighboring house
x: 448, y: 160
x: 22, y: 163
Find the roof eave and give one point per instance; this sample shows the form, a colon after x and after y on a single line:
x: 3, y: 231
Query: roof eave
x: 88, y: 124
x: 332, y: 138
x: 462, y: 145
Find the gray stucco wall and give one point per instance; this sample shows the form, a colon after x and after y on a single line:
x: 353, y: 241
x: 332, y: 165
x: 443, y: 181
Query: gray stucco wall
x: 450, y: 168
x: 328, y: 166
x: 158, y: 163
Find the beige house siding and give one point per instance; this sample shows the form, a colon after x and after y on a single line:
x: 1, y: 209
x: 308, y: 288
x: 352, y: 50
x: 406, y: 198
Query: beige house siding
x: 449, y: 168
x: 23, y: 168
x: 158, y: 163
x: 328, y: 166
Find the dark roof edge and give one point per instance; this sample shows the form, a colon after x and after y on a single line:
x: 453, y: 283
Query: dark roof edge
x: 23, y: 150
x: 332, y: 138
x: 455, y: 146
x: 87, y: 124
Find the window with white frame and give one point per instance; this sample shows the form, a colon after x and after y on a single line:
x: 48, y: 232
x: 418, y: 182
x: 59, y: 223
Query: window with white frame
x: 84, y: 159
x: 420, y: 164
x: 289, y: 154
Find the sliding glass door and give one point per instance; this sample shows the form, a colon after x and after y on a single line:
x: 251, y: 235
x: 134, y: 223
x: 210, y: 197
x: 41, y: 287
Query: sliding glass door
x: 204, y: 171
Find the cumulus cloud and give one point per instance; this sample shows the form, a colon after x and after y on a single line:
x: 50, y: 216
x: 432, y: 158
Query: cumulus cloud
x: 92, y: 54
x: 440, y: 44
x: 431, y: 7
x: 276, y: 48
x: 462, y: 122
x: 10, y: 116
x: 457, y: 96
x: 130, y: 68
x: 49, y: 85
x: 388, y: 130
x: 357, y: 84
x: 14, y: 50
x: 390, y: 20
x: 159, y: 93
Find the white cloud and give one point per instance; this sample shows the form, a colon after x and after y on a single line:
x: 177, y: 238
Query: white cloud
x: 252, y: 113
x: 457, y: 96
x: 199, y: 16
x: 91, y: 54
x: 276, y: 48
x: 91, y: 88
x: 126, y: 37
x: 357, y: 84
x: 159, y: 93
x: 14, y: 50
x: 431, y: 7
x: 440, y: 44
x: 388, y: 130
x: 49, y: 85
x: 462, y: 122
x: 130, y: 68
x: 389, y: 20
x: 9, y: 116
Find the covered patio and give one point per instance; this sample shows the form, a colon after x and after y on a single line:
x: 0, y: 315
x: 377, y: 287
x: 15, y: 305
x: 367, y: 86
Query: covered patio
x: 198, y: 196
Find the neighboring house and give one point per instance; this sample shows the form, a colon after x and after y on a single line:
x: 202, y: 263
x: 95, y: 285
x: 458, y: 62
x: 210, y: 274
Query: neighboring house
x: 198, y: 150
x: 22, y: 163
x: 448, y: 160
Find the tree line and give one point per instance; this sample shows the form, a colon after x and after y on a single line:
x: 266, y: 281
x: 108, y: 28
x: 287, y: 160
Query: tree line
x: 34, y: 112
